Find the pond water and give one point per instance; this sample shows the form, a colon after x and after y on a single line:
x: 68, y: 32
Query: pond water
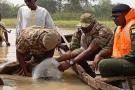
x: 12, y: 82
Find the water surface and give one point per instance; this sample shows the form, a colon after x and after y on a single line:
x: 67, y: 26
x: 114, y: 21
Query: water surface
x: 13, y: 82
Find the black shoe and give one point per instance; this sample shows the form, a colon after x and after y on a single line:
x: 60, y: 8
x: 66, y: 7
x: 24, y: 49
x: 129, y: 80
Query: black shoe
x: 87, y: 68
x: 91, y: 73
x: 117, y: 83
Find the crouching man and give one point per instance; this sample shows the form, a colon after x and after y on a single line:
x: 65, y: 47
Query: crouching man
x: 33, y: 45
x: 38, y: 43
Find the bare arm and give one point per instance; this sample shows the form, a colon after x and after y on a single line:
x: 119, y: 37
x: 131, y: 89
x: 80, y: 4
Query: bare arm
x: 21, y: 60
x: 89, y: 52
x: 92, y: 49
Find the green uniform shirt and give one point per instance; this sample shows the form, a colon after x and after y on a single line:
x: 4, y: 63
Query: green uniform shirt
x: 129, y: 56
x: 99, y: 34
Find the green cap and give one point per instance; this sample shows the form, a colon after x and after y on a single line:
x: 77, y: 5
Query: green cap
x: 86, y: 19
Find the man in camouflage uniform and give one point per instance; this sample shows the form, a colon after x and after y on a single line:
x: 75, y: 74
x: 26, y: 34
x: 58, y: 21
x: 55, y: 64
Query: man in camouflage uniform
x: 86, y: 43
x: 124, y: 65
x: 33, y: 45
x: 38, y: 42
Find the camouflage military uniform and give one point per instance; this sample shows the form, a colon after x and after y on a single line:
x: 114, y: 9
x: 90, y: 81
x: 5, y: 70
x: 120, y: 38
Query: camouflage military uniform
x: 99, y: 34
x: 31, y: 40
x: 36, y: 44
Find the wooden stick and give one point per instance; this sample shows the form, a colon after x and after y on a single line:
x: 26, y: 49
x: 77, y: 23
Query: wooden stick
x: 63, y: 37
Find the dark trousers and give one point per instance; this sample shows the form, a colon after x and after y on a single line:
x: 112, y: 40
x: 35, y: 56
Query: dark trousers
x: 86, y: 66
x: 116, y: 67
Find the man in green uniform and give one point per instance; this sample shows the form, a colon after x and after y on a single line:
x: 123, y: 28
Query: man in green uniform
x: 86, y: 43
x: 121, y: 48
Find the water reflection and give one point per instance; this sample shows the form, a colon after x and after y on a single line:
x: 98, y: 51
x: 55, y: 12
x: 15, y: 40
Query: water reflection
x: 3, y: 52
x: 8, y: 88
x: 14, y: 82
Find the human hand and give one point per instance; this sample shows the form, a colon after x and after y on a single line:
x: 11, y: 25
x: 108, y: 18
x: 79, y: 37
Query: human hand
x: 96, y: 61
x: 7, y: 43
x: 27, y: 71
x: 22, y: 72
x: 64, y: 66
x: 64, y: 57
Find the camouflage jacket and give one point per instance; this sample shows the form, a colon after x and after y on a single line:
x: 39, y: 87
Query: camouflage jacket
x: 31, y: 41
x: 99, y: 34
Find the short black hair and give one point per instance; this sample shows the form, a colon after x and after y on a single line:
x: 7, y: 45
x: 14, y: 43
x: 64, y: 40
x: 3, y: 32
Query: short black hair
x: 121, y: 8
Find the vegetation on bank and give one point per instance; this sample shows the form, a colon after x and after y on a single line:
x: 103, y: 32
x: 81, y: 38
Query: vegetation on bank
x: 11, y: 22
x: 64, y: 9
x: 65, y: 14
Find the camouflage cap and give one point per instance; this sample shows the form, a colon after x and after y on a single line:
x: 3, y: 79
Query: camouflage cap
x: 86, y: 19
x: 51, y: 40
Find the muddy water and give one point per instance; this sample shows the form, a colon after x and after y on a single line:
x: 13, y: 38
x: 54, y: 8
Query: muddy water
x: 13, y: 82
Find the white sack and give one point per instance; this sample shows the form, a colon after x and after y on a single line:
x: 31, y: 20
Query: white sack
x: 48, y: 68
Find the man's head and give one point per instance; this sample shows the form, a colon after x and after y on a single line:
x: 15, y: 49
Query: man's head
x: 118, y: 14
x: 51, y: 40
x: 87, y: 21
x: 31, y: 4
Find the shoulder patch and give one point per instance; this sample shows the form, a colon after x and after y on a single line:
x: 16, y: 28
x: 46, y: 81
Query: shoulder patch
x: 133, y: 28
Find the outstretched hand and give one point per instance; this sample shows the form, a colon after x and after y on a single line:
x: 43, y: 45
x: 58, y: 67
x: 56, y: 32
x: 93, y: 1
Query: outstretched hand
x: 64, y: 66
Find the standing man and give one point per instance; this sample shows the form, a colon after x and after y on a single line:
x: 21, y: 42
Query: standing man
x: 32, y: 14
x: 3, y: 33
x: 86, y: 43
x: 121, y: 48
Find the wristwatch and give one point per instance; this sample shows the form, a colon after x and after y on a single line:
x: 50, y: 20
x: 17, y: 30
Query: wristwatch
x: 71, y: 62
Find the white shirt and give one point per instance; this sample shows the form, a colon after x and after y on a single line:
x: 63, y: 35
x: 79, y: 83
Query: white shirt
x: 27, y: 17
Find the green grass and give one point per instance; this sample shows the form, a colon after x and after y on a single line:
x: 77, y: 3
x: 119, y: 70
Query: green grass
x: 11, y: 22
x: 66, y: 23
x: 110, y: 24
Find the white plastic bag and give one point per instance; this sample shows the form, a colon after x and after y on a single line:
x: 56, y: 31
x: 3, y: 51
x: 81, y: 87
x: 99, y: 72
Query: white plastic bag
x: 47, y: 69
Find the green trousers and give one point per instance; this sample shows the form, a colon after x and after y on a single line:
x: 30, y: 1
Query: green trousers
x: 116, y: 67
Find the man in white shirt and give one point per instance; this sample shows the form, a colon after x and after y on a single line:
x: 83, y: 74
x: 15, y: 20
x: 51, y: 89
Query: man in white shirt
x: 33, y: 15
